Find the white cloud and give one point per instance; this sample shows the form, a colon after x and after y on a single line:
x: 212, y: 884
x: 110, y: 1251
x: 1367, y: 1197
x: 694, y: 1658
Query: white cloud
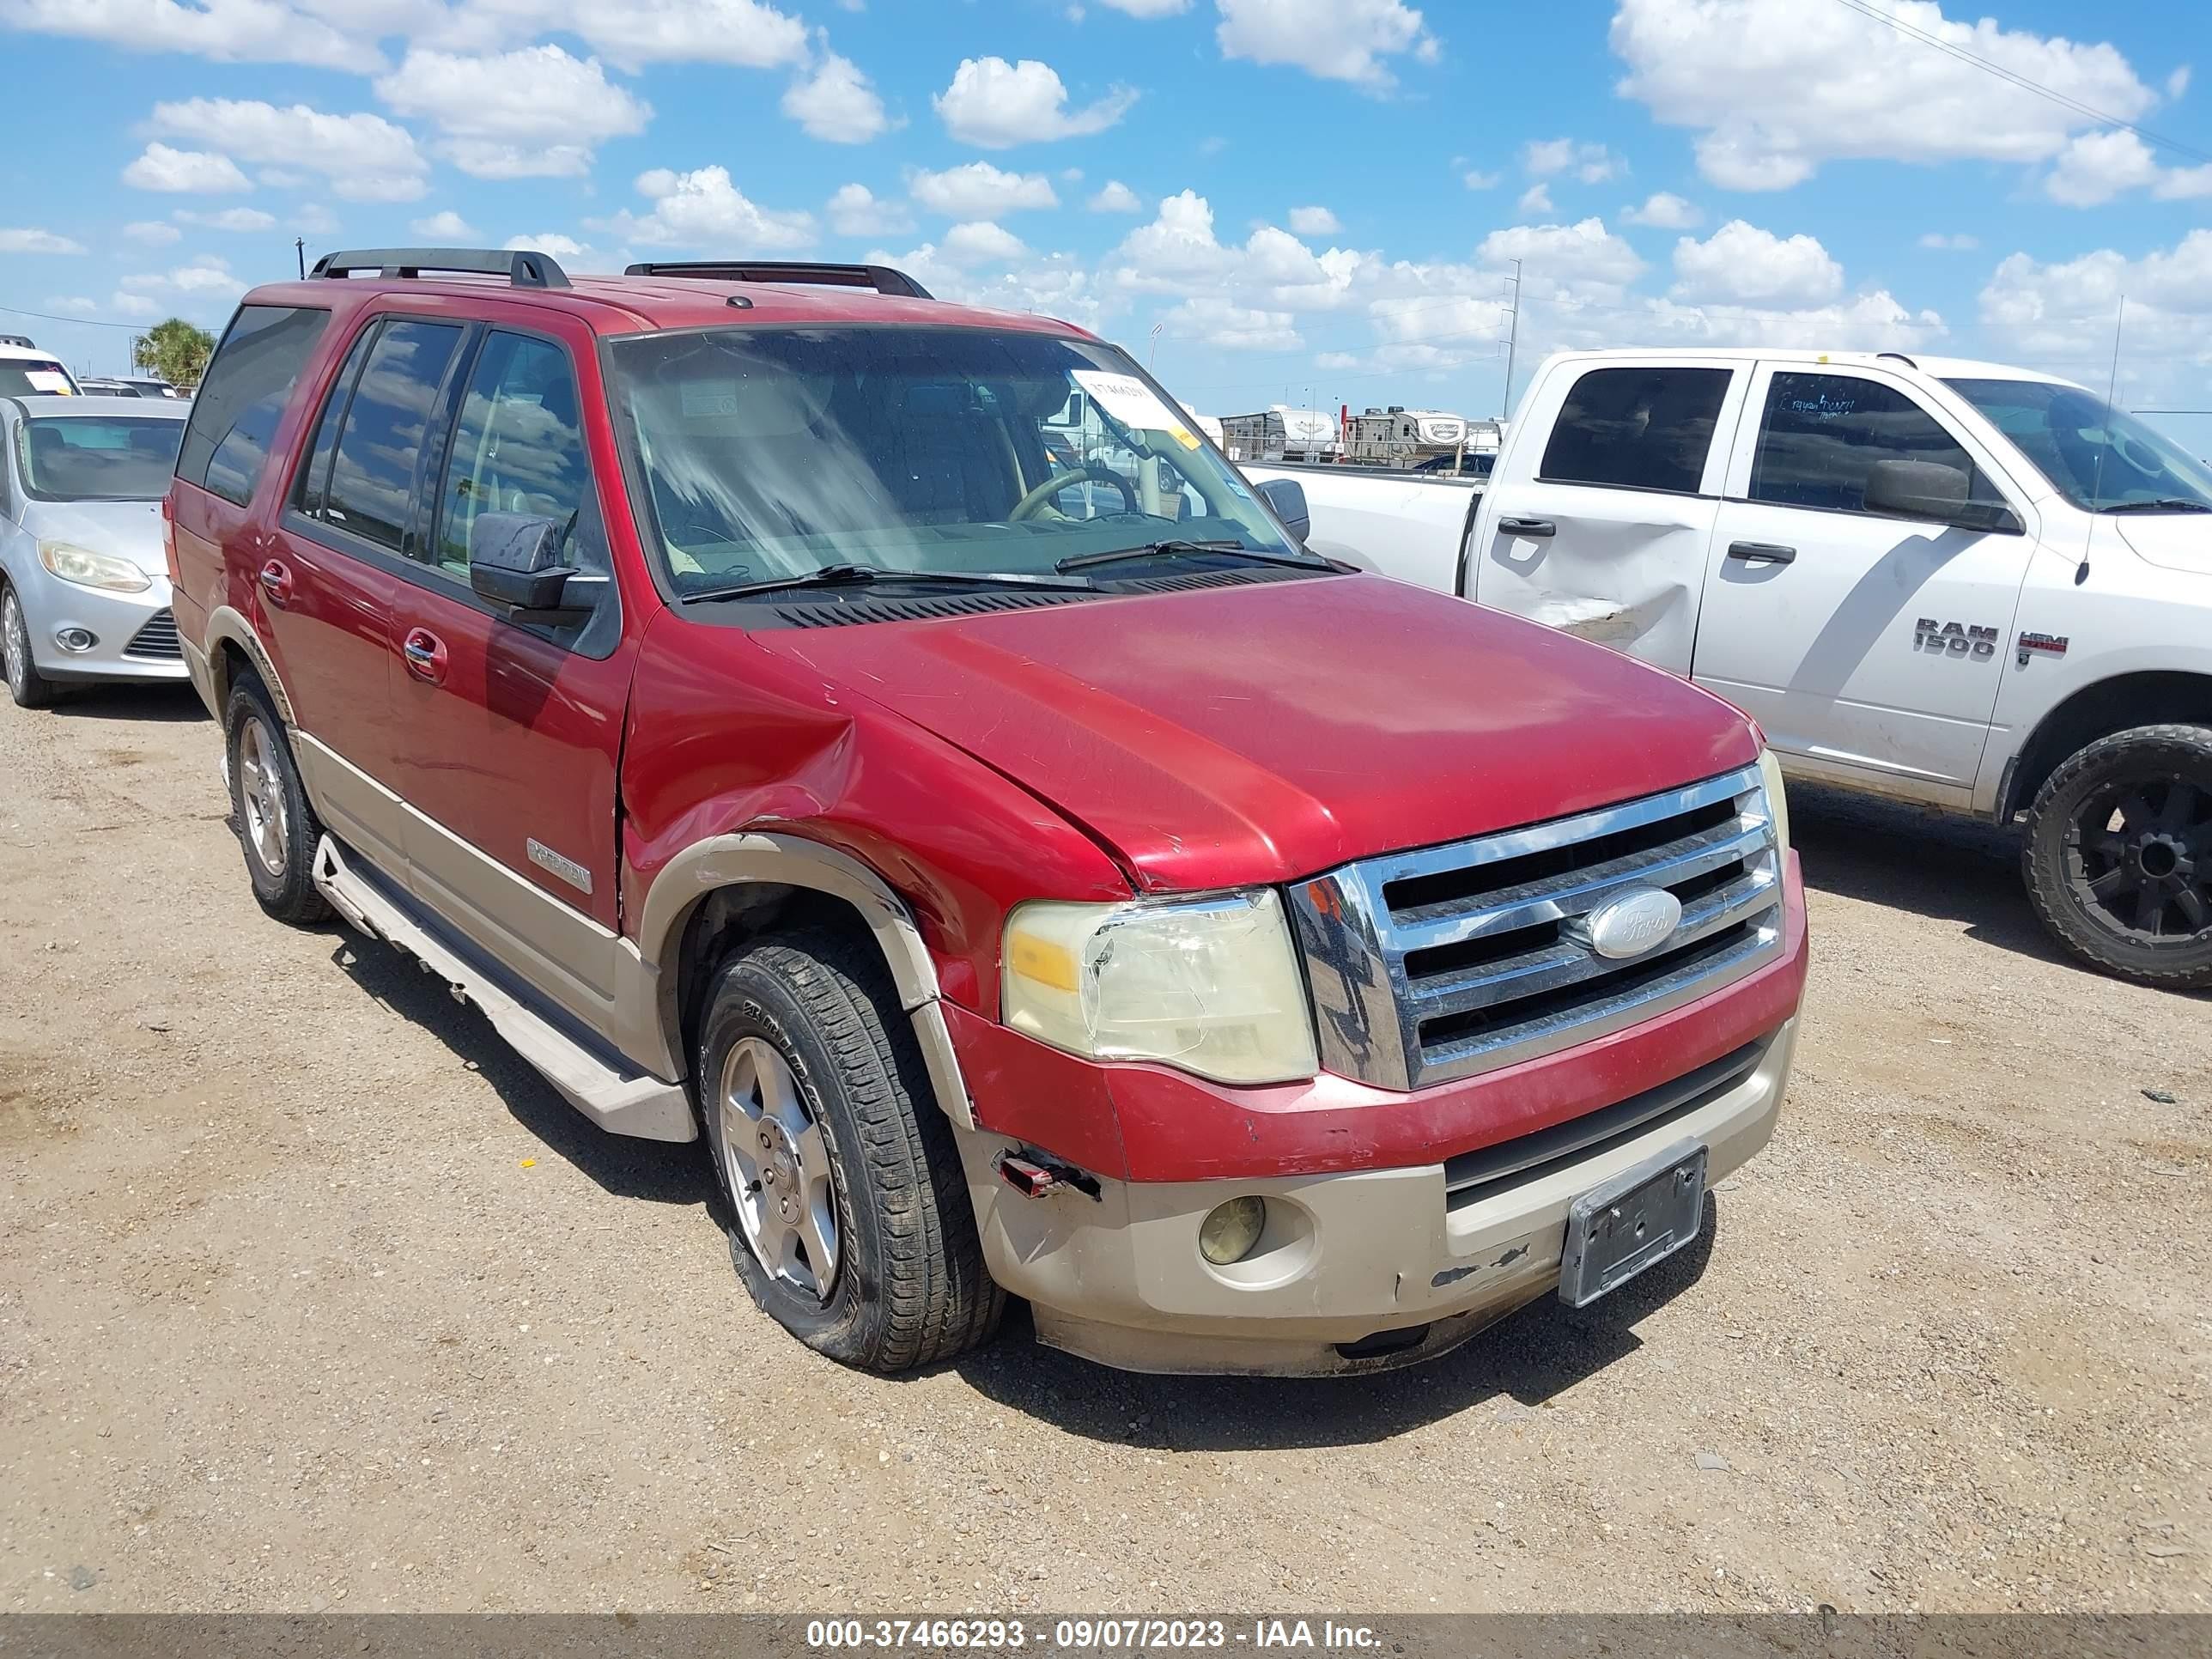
x: 1550, y: 158
x: 995, y: 105
x: 1231, y: 327
x: 1778, y: 87
x: 834, y: 101
x: 976, y: 190
x: 1314, y: 221
x: 743, y: 34
x: 445, y: 228
x: 132, y: 305
x: 2060, y: 316
x: 313, y: 219
x: 365, y: 157
x: 982, y: 243
x: 2184, y: 183
x: 2095, y: 166
x: 204, y: 276
x: 704, y: 209
x: 1115, y: 198
x: 572, y: 254
x: 1475, y: 179
x: 184, y: 172
x: 1663, y: 210
x: 1178, y: 253
x: 1740, y: 264
x: 1055, y: 284
x: 1537, y: 199
x: 238, y: 219
x: 75, y: 303
x: 1950, y: 242
x: 31, y: 240
x: 1583, y: 256
x: 532, y: 113
x: 1336, y: 39
x: 230, y: 31
x: 856, y: 210
x: 1148, y: 7
x: 154, y: 233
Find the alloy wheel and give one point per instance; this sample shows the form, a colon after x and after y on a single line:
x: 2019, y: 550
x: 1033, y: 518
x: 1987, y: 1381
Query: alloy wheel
x: 778, y: 1163
x: 261, y: 797
x: 2139, y: 857
x: 14, y: 644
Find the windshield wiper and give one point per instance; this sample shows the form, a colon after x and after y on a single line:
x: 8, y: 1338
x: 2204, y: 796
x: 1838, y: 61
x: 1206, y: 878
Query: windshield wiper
x: 2167, y: 504
x: 851, y: 575
x: 1170, y: 548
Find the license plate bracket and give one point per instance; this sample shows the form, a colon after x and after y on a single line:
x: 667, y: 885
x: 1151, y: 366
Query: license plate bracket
x: 1639, y: 1218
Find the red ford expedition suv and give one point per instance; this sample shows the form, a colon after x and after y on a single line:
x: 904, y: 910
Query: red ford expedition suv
x: 885, y: 739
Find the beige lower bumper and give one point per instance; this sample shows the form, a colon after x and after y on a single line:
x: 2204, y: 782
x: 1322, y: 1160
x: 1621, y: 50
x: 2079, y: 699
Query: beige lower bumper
x: 1346, y: 1258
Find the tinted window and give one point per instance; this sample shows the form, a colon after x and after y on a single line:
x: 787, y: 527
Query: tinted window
x: 2093, y: 454
x: 372, y: 487
x: 81, y: 457
x: 1822, y: 435
x: 1642, y: 429
x: 518, y: 447
x: 314, y: 477
x: 26, y: 377
x: 242, y: 397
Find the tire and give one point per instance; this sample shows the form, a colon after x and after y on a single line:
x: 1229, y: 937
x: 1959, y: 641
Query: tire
x: 876, y: 1189
x: 2118, y: 857
x: 29, y: 688
x: 278, y: 829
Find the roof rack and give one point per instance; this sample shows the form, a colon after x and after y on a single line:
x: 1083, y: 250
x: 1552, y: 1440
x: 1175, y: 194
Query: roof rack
x: 521, y: 267
x: 882, y: 278
x: 1899, y: 355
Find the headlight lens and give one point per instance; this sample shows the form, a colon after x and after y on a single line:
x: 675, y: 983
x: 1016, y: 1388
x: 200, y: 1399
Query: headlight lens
x: 1778, y: 804
x: 1211, y: 986
x: 87, y: 569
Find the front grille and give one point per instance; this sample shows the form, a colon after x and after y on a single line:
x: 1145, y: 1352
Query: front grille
x: 1440, y: 963
x: 157, y: 640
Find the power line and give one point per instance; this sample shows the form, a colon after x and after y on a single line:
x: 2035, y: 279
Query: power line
x: 2065, y: 101
x: 87, y: 322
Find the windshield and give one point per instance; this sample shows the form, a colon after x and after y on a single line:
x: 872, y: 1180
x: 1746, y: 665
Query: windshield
x: 773, y: 452
x: 2094, y: 455
x: 80, y: 458
x: 24, y: 377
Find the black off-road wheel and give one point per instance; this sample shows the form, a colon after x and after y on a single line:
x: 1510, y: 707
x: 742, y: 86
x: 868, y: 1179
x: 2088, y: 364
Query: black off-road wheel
x: 29, y: 688
x: 278, y: 829
x: 2118, y: 859
x: 849, y: 1220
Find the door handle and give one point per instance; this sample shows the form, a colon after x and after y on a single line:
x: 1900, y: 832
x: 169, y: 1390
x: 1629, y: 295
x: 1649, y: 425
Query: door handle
x: 425, y: 654
x: 1762, y: 553
x: 276, y: 582
x: 1527, y: 527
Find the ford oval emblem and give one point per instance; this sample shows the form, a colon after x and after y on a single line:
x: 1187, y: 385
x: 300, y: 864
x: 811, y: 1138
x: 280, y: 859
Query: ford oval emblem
x: 1637, y: 921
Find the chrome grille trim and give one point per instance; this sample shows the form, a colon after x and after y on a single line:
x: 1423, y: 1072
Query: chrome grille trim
x: 1375, y: 995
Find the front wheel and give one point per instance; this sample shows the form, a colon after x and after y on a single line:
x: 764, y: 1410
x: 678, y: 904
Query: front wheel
x: 29, y: 688
x: 2118, y: 859
x: 849, y: 1217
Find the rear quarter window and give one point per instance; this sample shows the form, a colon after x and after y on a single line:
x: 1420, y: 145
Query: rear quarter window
x: 242, y: 397
x: 1636, y: 429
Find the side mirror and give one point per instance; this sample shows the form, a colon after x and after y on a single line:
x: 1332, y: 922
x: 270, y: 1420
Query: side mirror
x: 1937, y: 493
x: 1286, y: 498
x: 514, y: 563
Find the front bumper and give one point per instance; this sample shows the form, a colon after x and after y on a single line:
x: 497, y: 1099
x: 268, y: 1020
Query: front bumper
x: 120, y: 623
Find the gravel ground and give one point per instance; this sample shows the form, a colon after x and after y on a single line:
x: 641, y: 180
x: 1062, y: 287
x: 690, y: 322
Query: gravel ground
x: 315, y: 1297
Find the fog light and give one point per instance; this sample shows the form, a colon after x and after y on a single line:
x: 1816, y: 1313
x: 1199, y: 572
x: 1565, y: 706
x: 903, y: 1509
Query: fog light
x: 1230, y: 1233
x: 76, y: 639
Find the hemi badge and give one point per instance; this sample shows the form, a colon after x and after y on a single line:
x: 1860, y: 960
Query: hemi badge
x: 567, y: 869
x: 2052, y: 645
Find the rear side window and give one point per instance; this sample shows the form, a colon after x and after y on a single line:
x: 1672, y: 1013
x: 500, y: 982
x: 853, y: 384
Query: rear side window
x: 1821, y: 434
x: 242, y: 397
x: 379, y: 447
x: 1636, y: 429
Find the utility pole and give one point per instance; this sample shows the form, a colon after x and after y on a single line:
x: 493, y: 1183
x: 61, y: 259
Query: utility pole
x: 300, y: 247
x: 1512, y: 342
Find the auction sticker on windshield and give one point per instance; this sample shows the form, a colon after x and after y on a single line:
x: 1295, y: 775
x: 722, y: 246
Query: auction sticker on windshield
x: 1134, y: 404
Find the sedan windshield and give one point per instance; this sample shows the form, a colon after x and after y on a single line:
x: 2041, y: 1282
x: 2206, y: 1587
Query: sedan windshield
x: 770, y: 453
x: 82, y: 458
x: 2096, y: 457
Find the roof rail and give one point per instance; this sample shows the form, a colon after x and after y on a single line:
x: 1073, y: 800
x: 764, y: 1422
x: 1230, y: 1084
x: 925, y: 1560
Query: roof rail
x: 882, y: 278
x: 521, y: 267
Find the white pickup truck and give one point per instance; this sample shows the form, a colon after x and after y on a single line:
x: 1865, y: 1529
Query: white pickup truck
x: 1966, y: 585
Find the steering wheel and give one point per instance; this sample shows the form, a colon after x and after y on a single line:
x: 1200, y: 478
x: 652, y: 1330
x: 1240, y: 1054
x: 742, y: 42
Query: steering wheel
x: 1051, y: 487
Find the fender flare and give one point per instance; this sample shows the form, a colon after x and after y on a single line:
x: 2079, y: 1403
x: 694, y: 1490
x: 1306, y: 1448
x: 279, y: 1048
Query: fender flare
x: 227, y: 624
x: 761, y: 856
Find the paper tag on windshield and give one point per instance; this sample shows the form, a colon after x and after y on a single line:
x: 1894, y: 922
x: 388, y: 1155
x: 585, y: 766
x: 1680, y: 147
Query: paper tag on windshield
x: 1134, y: 404
x: 46, y: 380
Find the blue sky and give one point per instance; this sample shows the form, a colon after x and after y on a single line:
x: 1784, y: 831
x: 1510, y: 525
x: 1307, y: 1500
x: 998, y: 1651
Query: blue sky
x: 1307, y: 198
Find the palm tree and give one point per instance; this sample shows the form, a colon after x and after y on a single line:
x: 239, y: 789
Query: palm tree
x: 175, y: 350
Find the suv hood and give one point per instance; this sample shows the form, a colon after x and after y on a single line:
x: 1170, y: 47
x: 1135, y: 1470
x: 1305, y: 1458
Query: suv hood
x: 2177, y: 541
x: 1263, y: 733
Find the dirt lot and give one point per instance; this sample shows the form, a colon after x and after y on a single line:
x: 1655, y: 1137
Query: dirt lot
x: 314, y: 1297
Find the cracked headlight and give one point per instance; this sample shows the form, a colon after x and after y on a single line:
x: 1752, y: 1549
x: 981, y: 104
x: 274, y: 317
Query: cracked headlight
x: 1209, y: 985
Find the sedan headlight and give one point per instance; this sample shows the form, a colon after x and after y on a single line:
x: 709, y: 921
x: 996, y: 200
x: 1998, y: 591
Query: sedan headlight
x: 1210, y: 985
x: 1778, y: 804
x: 87, y: 569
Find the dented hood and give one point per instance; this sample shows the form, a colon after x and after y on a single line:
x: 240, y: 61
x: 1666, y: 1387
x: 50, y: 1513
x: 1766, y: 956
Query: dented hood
x: 1260, y: 733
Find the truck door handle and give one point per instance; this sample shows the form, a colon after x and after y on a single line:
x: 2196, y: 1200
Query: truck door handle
x: 276, y: 582
x: 1762, y: 552
x: 425, y: 653
x: 1527, y: 527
